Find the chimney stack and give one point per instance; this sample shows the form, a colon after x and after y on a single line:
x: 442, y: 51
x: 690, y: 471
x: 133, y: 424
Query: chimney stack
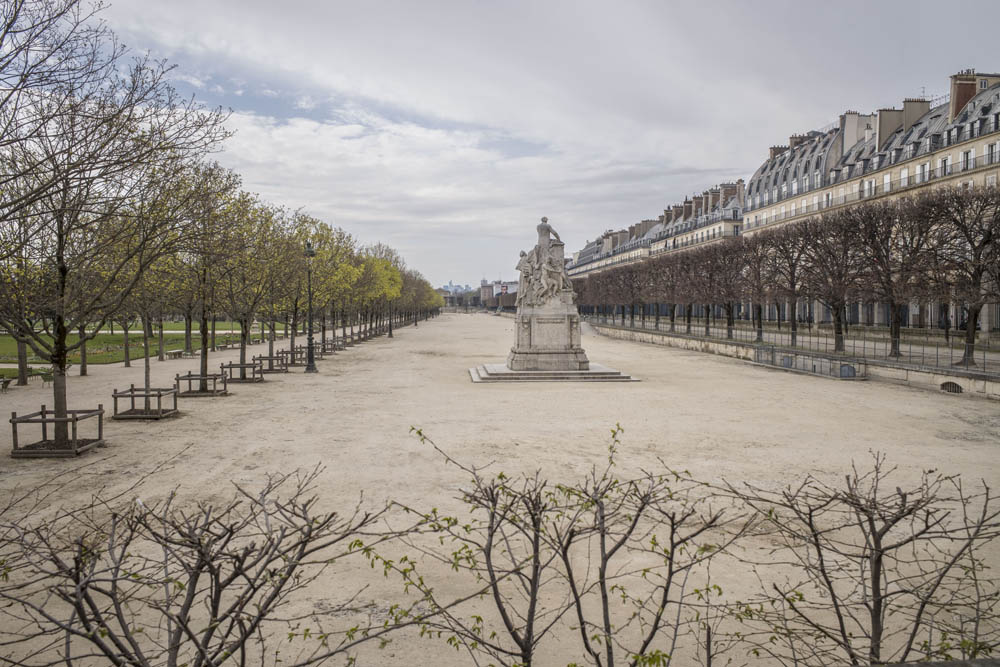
x: 796, y: 139
x: 963, y: 89
x: 776, y: 151
x: 886, y: 123
x: 913, y: 110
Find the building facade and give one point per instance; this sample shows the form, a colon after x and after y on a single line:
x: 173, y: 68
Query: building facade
x: 714, y: 214
x: 888, y: 154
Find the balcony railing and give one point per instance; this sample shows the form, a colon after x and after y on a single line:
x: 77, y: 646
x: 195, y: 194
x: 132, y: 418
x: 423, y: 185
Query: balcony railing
x: 965, y: 134
x: 882, y: 188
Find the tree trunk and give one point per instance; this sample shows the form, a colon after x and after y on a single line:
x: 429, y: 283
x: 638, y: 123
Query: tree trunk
x: 708, y: 320
x: 895, y: 317
x: 187, y: 333
x: 245, y: 324
x: 22, y: 364
x: 794, y: 323
x: 838, y: 328
x: 758, y: 310
x: 295, y: 326
x: 147, y: 330
x: 215, y: 320
x: 730, y: 308
x: 82, y: 332
x: 58, y: 358
x: 162, y: 353
x: 203, y: 368
x: 128, y: 355
x: 971, y: 323
x: 687, y: 315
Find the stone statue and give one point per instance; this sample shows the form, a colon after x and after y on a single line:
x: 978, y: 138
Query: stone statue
x: 543, y: 271
x: 547, y: 322
x: 527, y: 270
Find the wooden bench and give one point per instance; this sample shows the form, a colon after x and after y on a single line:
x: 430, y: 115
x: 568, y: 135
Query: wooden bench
x: 46, y: 378
x: 174, y: 354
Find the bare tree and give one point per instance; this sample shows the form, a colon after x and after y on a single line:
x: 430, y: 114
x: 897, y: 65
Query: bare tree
x: 629, y: 559
x: 895, y: 239
x: 873, y: 573
x: 787, y: 259
x: 508, y: 550
x: 132, y: 134
x: 834, y: 265
x: 169, y: 584
x: 49, y: 51
x: 968, y: 231
x: 757, y: 282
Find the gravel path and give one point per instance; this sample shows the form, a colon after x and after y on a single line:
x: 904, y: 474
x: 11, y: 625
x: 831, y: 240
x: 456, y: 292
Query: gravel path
x: 714, y: 416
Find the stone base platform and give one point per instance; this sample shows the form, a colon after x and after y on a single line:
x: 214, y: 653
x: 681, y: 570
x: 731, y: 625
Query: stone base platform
x: 500, y: 373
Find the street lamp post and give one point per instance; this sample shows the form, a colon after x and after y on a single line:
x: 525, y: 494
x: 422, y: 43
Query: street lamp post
x: 310, y: 252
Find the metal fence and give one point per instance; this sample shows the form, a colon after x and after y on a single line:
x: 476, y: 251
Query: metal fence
x: 981, y: 358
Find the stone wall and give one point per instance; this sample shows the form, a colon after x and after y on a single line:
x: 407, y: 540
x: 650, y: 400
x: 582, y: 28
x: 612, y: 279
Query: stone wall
x: 972, y: 384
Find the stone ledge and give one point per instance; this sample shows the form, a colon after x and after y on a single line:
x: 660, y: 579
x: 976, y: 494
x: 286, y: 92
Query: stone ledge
x: 500, y: 373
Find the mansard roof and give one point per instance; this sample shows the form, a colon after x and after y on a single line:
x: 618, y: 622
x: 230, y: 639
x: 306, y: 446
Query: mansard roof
x: 808, y: 157
x: 927, y: 134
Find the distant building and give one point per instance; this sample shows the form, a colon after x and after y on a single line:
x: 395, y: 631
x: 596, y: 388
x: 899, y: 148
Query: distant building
x: 452, y: 288
x: 488, y: 290
x: 714, y: 214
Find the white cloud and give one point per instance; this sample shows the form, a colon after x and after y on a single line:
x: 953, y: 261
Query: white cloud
x: 305, y: 102
x: 453, y: 126
x: 189, y: 79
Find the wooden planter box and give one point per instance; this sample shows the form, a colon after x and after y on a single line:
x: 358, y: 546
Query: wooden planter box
x: 277, y: 363
x: 192, y: 392
x: 46, y: 448
x: 237, y: 372
x: 296, y: 357
x: 304, y: 350
x: 132, y: 394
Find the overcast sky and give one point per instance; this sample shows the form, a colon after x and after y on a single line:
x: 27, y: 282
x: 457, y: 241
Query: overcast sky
x: 447, y: 129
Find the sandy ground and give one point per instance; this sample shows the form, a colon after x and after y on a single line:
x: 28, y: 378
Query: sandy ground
x: 714, y: 416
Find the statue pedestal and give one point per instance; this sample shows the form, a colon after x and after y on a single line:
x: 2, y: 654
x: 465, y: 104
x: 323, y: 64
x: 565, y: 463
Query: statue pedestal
x: 547, y: 348
x: 548, y: 337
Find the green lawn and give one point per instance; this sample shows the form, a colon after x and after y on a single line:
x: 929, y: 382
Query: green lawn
x: 108, y: 348
x: 12, y: 372
x: 221, y: 325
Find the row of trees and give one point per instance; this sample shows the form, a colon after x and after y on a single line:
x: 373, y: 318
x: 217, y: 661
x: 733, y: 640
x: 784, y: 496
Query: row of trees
x: 112, y: 210
x: 943, y: 245
x: 605, y: 570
